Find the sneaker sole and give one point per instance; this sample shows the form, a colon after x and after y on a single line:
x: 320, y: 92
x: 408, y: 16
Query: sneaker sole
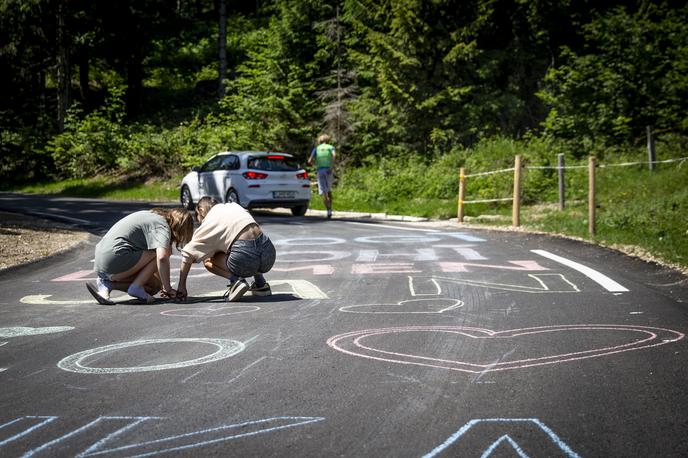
x: 238, y: 292
x: 94, y: 292
x: 261, y: 293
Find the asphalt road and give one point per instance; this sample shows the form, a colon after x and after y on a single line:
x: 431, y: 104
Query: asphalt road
x: 387, y: 339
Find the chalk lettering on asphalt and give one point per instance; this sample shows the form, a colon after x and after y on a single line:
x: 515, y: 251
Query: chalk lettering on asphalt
x: 301, y: 288
x: 115, y: 427
x: 544, y: 283
x: 489, y: 434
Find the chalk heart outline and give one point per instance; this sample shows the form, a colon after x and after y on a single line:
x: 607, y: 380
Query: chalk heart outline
x: 352, y: 344
x: 410, y: 306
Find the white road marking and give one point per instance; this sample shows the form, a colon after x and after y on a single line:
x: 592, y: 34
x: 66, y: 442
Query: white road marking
x: 604, y: 281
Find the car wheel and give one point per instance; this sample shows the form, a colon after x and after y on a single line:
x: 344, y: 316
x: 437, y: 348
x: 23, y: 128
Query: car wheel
x: 186, y: 199
x: 299, y: 211
x: 232, y: 196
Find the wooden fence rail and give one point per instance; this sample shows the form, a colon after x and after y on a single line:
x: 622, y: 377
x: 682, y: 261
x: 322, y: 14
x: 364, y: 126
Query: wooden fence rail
x: 560, y: 167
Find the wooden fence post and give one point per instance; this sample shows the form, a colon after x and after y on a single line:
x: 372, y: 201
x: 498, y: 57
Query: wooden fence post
x: 650, y: 148
x: 516, y: 208
x: 560, y: 171
x: 591, y: 195
x: 462, y: 193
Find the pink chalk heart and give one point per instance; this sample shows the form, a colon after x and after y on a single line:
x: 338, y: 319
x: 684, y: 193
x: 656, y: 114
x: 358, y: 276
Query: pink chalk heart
x: 484, y: 350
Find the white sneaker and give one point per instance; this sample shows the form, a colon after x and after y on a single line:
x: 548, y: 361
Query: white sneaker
x: 102, y: 300
x: 104, y: 287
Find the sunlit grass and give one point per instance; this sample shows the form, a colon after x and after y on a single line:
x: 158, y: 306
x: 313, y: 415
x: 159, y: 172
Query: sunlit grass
x: 116, y: 188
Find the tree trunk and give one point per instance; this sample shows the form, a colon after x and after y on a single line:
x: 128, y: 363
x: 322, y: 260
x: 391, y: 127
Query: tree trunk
x: 134, y: 82
x: 84, y: 78
x: 222, y: 41
x: 63, y: 74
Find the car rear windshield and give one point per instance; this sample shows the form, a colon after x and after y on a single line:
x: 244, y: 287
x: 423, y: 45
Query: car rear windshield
x: 274, y: 163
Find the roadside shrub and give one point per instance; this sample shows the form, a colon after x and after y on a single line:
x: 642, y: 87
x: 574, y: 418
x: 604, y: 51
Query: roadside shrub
x: 90, y: 144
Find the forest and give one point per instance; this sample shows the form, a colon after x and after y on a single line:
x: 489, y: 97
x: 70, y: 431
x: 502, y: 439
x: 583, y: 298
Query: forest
x: 151, y: 87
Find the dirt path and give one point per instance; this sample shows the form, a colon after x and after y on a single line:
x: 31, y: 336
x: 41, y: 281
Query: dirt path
x: 24, y: 239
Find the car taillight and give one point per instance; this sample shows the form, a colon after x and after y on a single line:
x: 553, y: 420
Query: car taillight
x: 255, y: 175
x: 302, y: 176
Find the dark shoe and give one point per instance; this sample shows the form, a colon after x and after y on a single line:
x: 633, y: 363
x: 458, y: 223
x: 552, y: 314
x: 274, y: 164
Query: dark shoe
x: 102, y: 300
x: 261, y: 291
x: 236, y: 291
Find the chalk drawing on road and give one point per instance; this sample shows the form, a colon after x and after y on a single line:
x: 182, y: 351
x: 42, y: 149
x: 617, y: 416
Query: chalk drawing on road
x: 301, y: 288
x: 631, y: 338
x: 89, y: 275
x: 310, y: 241
x: 116, y: 427
x: 75, y: 363
x: 604, y: 281
x: 489, y: 428
x: 412, y: 306
x: 19, y: 331
x: 211, y: 312
x: 34, y: 423
x: 44, y: 299
x: 541, y: 283
x: 424, y: 286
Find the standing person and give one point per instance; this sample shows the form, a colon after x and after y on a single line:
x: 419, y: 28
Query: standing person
x: 231, y: 245
x: 324, y: 155
x: 134, y: 255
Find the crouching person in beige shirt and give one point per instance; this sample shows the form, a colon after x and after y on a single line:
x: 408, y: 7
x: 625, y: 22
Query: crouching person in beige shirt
x: 230, y: 244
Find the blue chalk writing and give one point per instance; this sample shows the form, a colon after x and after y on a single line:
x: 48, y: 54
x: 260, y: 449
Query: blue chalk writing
x: 45, y: 421
x: 172, y: 443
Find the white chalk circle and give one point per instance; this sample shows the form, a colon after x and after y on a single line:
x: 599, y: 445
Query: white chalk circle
x: 225, y: 349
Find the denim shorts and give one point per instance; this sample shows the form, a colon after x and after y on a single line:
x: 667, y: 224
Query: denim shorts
x: 251, y: 257
x: 325, y: 180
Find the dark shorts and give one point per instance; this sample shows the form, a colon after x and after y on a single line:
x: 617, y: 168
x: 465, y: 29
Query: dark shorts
x: 251, y: 257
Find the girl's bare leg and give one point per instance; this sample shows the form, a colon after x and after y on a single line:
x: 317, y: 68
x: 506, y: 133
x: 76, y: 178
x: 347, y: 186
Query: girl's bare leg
x: 136, y: 274
x: 218, y: 265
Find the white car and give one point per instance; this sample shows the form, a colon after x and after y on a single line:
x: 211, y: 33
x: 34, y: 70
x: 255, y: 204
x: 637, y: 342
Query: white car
x: 251, y: 179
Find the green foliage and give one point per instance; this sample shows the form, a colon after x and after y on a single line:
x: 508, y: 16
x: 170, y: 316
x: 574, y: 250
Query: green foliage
x: 635, y: 208
x: 90, y: 144
x: 631, y: 74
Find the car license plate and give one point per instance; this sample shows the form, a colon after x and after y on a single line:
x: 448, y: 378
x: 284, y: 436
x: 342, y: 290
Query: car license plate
x: 283, y: 194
